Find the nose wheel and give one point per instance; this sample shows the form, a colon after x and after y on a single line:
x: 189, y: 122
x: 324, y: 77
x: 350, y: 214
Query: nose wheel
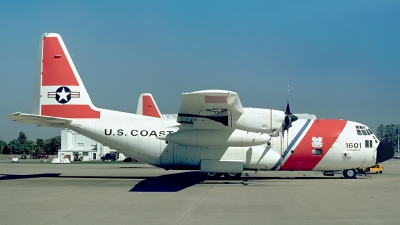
x: 349, y: 174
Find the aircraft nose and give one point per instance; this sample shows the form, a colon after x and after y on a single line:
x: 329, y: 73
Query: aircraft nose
x: 384, y: 151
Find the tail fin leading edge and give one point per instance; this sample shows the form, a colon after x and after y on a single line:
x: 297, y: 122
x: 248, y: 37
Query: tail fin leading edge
x: 59, y: 90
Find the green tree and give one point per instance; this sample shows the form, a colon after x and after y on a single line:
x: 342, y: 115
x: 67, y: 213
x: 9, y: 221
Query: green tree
x: 31, y: 147
x: 20, y: 145
x: 6, y: 150
x: 390, y: 133
x: 40, y: 146
x: 3, y: 144
x: 52, y: 145
x: 23, y: 145
x: 380, y: 132
x: 13, y: 147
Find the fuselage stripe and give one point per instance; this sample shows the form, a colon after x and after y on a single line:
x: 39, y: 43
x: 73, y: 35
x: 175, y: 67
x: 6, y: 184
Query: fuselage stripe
x: 292, y: 143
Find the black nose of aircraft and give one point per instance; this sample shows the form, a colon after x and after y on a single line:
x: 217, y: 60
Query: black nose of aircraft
x: 384, y: 152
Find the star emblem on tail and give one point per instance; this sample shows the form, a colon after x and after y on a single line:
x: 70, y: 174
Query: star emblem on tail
x: 63, y: 95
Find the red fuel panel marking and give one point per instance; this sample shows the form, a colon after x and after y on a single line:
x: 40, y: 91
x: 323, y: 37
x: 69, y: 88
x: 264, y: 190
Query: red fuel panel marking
x: 149, y: 108
x: 302, y: 158
x: 56, y: 68
x: 70, y: 111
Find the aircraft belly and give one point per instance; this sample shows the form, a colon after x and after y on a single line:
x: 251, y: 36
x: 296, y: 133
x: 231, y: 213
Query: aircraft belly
x: 253, y: 158
x: 191, y: 155
x: 339, y: 159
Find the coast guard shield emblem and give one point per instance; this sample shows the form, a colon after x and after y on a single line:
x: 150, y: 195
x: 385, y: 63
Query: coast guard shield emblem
x: 317, y: 142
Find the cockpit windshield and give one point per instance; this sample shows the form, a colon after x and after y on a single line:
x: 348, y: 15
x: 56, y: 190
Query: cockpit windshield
x: 361, y: 130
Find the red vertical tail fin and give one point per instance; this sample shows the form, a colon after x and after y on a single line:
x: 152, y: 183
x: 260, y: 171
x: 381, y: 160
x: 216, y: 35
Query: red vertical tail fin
x: 147, y: 106
x: 59, y: 90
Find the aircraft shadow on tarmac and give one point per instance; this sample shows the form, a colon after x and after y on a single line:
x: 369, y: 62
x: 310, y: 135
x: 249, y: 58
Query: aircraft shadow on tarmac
x: 165, y: 183
x: 27, y: 176
x: 179, y: 181
x: 169, y: 183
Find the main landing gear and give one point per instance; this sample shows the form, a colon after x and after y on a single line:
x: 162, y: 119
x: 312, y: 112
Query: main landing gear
x: 349, y: 174
x: 228, y: 176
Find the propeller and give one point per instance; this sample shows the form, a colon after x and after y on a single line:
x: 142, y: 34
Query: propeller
x: 289, y: 118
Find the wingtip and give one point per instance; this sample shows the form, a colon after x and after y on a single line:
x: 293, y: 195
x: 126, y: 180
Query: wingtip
x: 14, y: 114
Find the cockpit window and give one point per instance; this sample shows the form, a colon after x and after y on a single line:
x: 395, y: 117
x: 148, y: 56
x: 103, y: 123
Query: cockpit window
x: 361, y: 130
x: 368, y: 143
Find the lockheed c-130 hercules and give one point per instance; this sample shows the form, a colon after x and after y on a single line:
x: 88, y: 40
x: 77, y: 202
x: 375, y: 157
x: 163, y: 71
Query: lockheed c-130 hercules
x: 212, y: 132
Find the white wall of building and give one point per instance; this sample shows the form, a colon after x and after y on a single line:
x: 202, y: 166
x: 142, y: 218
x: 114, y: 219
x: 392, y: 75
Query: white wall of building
x: 73, y: 143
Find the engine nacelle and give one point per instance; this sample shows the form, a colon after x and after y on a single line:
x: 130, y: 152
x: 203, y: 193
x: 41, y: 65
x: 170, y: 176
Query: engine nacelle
x: 229, y: 138
x: 260, y: 120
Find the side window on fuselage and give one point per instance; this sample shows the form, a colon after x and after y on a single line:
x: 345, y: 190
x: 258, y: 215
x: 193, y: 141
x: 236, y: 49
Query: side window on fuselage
x: 317, y: 151
x: 368, y: 143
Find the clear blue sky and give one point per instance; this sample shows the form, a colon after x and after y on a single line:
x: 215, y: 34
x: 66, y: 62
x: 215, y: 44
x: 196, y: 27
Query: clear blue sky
x: 340, y: 58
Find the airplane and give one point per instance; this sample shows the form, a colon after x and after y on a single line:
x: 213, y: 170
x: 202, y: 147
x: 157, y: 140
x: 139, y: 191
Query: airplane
x: 212, y: 132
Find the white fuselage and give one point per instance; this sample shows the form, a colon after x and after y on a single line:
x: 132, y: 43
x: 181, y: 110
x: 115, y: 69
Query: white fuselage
x: 337, y: 148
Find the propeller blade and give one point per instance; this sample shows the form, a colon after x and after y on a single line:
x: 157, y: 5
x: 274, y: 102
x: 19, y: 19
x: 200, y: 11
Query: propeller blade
x: 288, y: 109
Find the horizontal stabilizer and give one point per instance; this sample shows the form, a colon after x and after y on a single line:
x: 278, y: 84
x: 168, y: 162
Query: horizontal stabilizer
x: 39, y: 120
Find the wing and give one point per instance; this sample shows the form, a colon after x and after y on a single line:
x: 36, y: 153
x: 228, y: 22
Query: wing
x: 39, y: 120
x: 209, y: 109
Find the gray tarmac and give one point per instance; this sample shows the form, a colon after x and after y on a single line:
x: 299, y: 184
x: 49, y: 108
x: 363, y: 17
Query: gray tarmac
x: 127, y: 193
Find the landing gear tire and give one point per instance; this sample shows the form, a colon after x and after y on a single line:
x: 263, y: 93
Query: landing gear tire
x: 232, y: 176
x: 349, y: 174
x: 213, y: 175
